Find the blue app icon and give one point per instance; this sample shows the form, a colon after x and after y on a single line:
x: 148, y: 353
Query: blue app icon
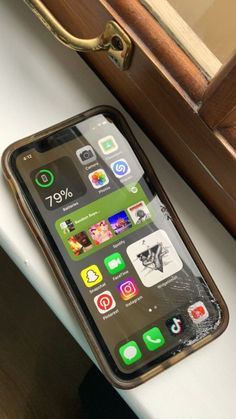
x: 120, y: 168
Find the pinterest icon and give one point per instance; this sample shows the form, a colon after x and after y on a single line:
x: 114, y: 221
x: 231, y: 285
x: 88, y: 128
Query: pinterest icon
x: 104, y: 302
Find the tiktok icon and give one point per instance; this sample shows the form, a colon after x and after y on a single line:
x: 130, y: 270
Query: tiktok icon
x: 175, y: 325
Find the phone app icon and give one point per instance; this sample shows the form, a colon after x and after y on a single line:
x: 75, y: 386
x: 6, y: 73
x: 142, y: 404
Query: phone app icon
x: 175, y: 325
x: 130, y: 352
x: 114, y: 263
x: 153, y: 339
x: 98, y: 178
x: 108, y: 144
x: 128, y: 289
x: 86, y: 154
x: 91, y: 276
x: 104, y: 302
x: 198, y: 312
x: 120, y: 168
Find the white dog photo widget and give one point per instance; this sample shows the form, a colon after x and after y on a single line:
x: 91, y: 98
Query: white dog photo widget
x: 154, y: 258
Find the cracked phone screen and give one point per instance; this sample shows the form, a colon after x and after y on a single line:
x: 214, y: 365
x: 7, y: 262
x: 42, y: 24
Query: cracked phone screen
x: 137, y: 283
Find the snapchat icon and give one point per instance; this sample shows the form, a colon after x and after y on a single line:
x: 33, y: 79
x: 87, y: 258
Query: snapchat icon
x: 91, y: 276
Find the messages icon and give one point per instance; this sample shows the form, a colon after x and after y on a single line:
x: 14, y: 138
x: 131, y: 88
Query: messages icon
x: 114, y: 263
x: 130, y: 352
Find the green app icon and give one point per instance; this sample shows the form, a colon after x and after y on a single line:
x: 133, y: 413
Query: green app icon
x: 130, y: 352
x: 114, y: 263
x: 153, y: 339
x: 108, y: 144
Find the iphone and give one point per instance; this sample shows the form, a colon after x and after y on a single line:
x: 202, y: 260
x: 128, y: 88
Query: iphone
x: 143, y: 297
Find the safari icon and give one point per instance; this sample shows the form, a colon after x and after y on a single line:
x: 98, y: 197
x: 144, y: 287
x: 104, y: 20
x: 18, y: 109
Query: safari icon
x: 130, y: 352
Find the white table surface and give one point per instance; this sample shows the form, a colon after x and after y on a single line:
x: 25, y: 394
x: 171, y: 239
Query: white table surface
x: 42, y: 83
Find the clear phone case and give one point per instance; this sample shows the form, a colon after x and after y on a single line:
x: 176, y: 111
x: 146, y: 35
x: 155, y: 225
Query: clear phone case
x: 60, y: 275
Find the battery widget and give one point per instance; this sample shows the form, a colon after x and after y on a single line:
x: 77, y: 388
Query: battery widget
x: 44, y: 178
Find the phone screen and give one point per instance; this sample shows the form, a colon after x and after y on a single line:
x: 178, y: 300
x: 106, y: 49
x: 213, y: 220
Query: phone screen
x: 137, y: 284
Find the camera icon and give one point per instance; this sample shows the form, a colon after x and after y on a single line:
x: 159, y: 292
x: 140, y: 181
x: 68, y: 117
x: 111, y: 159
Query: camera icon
x: 86, y: 155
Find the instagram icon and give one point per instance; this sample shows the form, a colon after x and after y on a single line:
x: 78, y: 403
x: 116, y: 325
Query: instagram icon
x: 127, y: 289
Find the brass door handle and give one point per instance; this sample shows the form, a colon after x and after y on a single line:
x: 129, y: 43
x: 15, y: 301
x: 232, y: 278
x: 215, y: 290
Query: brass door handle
x: 113, y: 39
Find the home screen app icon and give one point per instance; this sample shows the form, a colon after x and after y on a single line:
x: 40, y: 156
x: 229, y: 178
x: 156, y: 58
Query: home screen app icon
x: 98, y: 178
x: 91, y: 276
x: 108, y: 144
x: 127, y: 289
x: 104, y: 302
x: 114, y: 263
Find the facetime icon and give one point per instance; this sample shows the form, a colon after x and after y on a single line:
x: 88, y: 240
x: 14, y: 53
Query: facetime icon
x: 114, y: 263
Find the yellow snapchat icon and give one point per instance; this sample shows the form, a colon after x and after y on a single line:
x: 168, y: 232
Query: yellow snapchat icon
x: 91, y: 276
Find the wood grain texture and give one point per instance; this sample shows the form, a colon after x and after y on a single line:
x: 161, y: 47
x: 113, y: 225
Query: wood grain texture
x: 230, y: 134
x: 218, y: 107
x: 157, y: 101
x: 184, y: 35
x: 163, y: 47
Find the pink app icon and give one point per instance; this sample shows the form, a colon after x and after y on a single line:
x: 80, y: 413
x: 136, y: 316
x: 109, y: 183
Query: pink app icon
x: 127, y: 289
